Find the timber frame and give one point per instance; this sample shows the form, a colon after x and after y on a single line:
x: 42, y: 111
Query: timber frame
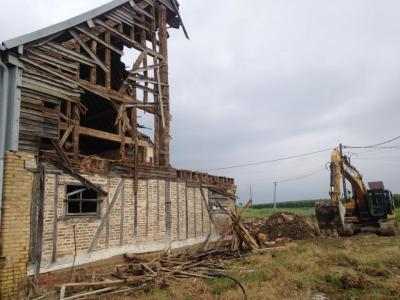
x: 77, y: 92
x: 74, y: 106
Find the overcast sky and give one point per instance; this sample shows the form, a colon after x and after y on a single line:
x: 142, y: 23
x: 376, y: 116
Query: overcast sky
x: 263, y: 79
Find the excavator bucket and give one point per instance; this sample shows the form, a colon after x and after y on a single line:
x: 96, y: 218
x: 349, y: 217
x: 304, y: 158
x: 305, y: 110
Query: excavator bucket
x: 331, y: 217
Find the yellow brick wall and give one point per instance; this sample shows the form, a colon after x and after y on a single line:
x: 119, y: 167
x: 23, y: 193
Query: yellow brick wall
x: 14, y: 235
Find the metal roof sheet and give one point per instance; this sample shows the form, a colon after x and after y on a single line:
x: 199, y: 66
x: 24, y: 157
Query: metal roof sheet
x: 53, y: 29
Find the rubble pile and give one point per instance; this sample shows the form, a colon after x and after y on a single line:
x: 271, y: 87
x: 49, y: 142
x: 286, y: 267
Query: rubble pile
x: 283, y: 225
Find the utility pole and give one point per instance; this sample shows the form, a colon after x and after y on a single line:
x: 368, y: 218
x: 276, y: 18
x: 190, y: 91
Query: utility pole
x: 251, y: 192
x: 341, y: 171
x: 275, y: 186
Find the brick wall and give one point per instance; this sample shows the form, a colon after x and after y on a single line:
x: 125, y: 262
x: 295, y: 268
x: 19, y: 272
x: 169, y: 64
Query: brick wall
x: 14, y: 233
x: 189, y: 218
x: 187, y: 211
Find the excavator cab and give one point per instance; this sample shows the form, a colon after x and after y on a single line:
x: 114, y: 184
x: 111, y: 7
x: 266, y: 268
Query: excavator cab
x: 380, y: 203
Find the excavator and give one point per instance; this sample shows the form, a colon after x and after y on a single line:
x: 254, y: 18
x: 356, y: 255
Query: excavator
x: 367, y: 210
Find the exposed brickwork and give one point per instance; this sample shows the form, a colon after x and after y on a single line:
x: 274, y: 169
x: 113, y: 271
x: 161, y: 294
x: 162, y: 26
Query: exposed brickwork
x: 15, y: 225
x: 187, y: 211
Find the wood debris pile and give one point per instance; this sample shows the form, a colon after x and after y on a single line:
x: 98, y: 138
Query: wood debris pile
x: 138, y: 275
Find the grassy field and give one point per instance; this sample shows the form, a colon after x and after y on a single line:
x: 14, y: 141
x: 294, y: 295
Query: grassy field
x: 360, y: 267
x: 364, y: 266
x: 251, y: 213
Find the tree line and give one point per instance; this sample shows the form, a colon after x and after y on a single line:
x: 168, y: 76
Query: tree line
x: 307, y: 203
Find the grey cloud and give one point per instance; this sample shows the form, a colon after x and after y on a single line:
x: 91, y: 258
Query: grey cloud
x: 265, y: 79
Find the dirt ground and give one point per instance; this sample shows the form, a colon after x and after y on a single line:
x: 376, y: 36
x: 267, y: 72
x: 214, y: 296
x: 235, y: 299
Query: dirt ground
x: 361, y: 267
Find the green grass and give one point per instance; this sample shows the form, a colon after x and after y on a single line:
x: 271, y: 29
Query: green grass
x: 251, y: 213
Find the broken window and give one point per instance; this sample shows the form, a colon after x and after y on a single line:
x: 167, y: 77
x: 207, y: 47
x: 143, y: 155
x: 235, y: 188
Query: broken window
x: 81, y: 201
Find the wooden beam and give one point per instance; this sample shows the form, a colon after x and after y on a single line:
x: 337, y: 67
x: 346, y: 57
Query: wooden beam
x: 103, y: 135
x: 107, y: 60
x: 135, y: 66
x: 106, y: 216
x: 160, y: 99
x: 75, y: 134
x: 38, y: 251
x: 93, y: 70
x: 66, y: 135
x: 75, y: 35
x: 126, y: 39
x: 65, y: 166
x: 100, y: 41
x: 55, y: 220
x: 122, y: 220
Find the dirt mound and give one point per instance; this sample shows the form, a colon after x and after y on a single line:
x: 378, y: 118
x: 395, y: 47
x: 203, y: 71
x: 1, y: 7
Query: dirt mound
x: 283, y: 225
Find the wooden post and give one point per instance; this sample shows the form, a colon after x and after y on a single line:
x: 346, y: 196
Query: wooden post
x: 158, y: 206
x: 108, y: 219
x: 162, y: 128
x: 108, y: 60
x: 55, y: 220
x: 156, y: 118
x: 122, y: 221
x: 38, y: 248
x: 187, y: 210
x: 93, y: 70
x: 168, y: 215
x: 178, y: 236
x: 147, y: 208
x: 75, y: 135
x: 194, y: 212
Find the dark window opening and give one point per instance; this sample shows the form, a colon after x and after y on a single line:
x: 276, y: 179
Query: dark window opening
x: 81, y: 201
x: 84, y: 72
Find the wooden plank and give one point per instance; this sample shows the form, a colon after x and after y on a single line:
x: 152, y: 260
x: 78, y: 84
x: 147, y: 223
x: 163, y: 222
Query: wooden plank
x: 93, y: 70
x: 55, y: 220
x: 187, y: 210
x: 66, y: 135
x: 126, y: 39
x: 106, y: 216
x: 178, y: 236
x: 122, y: 221
x: 135, y: 66
x: 75, y: 35
x: 107, y: 59
x: 147, y: 208
x: 168, y: 215
x: 160, y: 99
x: 158, y: 207
x: 100, y: 41
x: 206, y: 205
x: 71, y: 67
x: 73, y: 55
x: 108, y: 219
x: 33, y: 240
x: 102, y: 135
x: 66, y: 167
x: 40, y: 225
x: 53, y: 64
x: 76, y: 116
x: 139, y: 10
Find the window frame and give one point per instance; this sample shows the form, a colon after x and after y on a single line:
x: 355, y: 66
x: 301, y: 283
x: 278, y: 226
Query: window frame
x: 98, y: 200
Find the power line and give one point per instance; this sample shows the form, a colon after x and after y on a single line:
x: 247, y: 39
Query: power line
x: 376, y: 145
x: 302, y: 176
x: 268, y: 161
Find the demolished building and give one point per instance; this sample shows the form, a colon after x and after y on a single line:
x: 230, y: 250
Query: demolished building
x: 80, y: 181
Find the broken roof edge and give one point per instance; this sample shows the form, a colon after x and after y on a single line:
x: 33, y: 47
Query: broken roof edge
x: 59, y: 27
